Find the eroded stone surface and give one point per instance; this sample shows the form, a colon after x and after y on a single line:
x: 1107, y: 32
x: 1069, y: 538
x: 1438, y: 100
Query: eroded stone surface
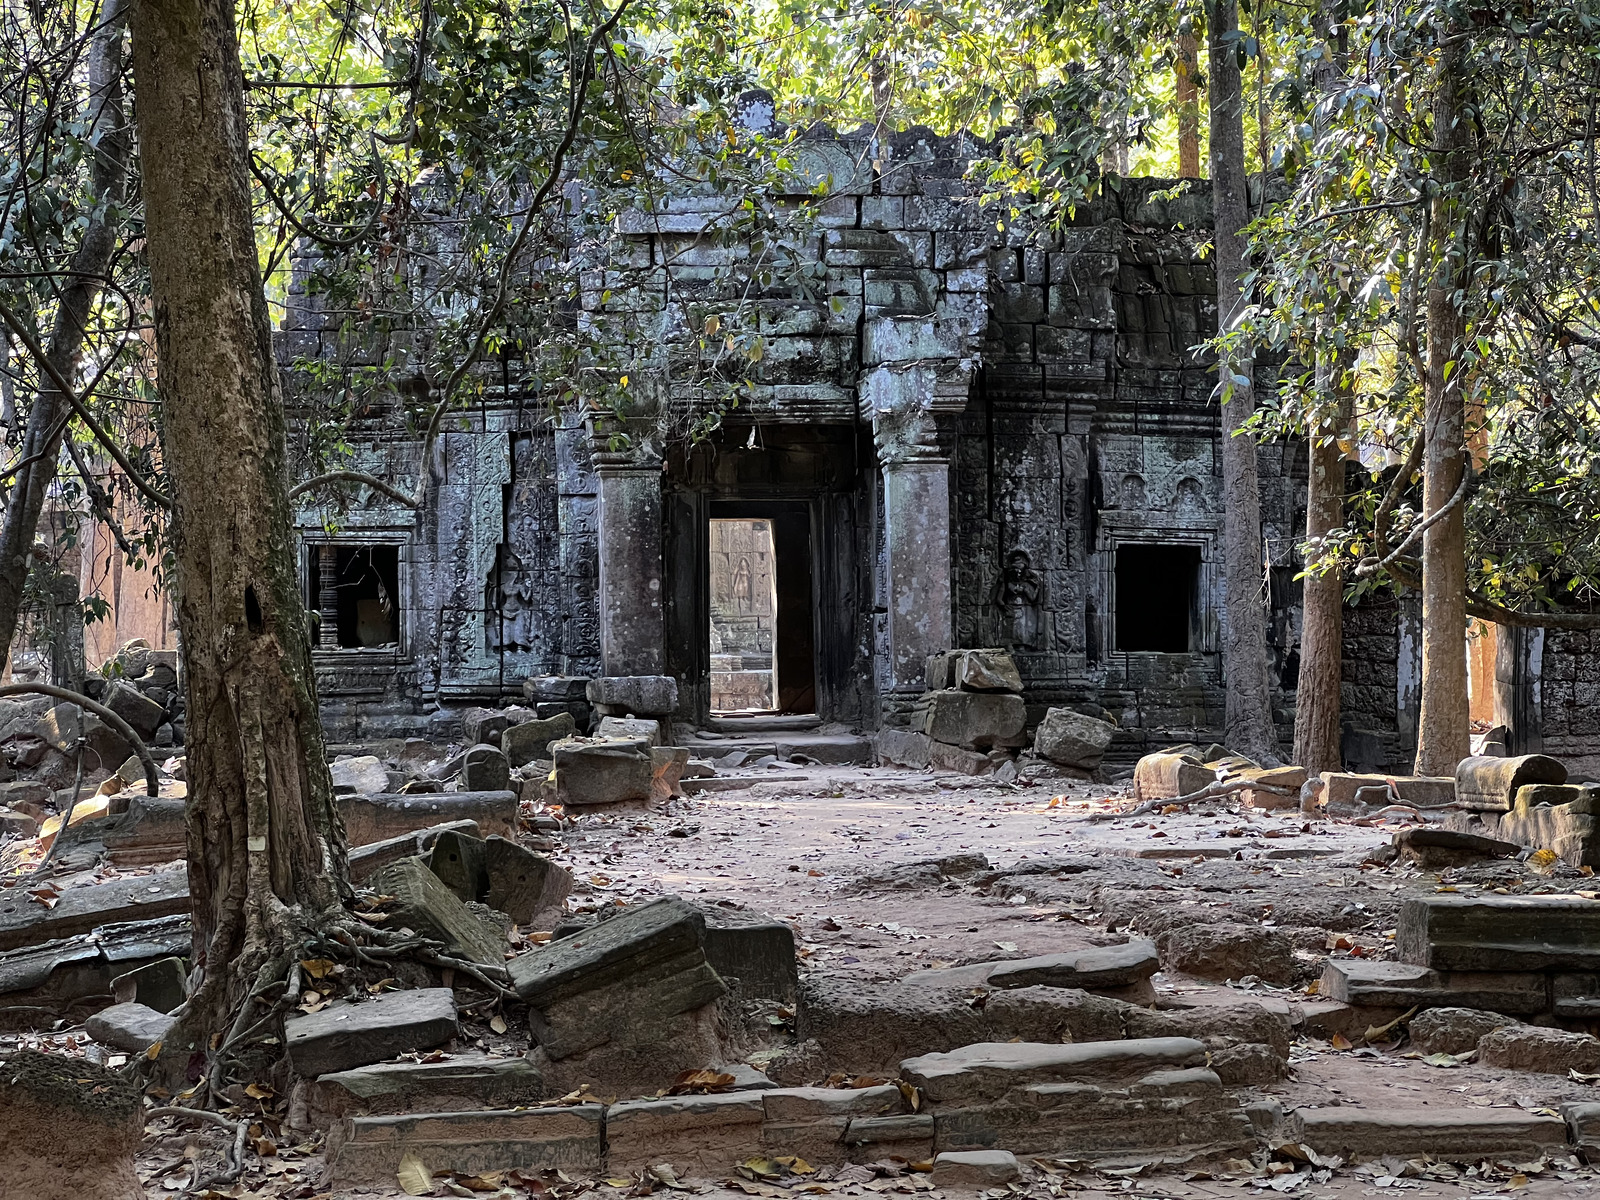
x: 346, y: 1035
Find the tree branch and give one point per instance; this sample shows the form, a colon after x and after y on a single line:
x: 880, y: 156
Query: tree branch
x: 152, y: 778
x: 84, y: 415
x: 372, y: 481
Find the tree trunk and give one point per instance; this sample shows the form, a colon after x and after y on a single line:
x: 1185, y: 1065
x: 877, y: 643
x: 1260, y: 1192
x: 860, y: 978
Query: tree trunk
x: 1317, y: 733
x: 1445, y: 725
x: 1188, y: 90
x: 77, y: 293
x: 1250, y: 729
x: 1317, y: 740
x: 266, y: 845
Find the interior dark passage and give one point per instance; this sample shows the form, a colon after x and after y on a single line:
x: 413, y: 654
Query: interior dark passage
x: 367, y: 583
x: 762, y: 651
x: 1156, y: 591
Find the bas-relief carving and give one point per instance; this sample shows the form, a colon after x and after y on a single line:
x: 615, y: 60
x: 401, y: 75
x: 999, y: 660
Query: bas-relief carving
x: 1019, y: 605
x: 470, y: 522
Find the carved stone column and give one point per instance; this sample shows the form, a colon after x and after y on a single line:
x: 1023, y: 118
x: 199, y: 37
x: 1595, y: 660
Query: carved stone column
x: 632, y: 633
x: 328, y: 597
x: 916, y: 501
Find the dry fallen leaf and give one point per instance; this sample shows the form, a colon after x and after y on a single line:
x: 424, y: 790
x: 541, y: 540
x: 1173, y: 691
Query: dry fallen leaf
x: 497, y: 1023
x: 415, y: 1178
x: 1340, y: 1042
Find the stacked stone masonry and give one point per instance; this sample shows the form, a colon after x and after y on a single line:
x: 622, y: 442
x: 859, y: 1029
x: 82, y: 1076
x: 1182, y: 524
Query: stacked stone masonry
x: 978, y: 434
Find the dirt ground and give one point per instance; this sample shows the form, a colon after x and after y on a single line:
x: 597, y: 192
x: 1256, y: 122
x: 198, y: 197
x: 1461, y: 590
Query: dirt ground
x: 828, y: 853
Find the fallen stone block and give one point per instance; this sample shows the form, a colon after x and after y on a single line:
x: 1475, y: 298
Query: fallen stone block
x: 1583, y: 1128
x: 1459, y: 1135
x: 1535, y: 1048
x: 365, y: 860
x: 72, y: 1129
x: 80, y: 909
x: 1453, y: 1030
x: 753, y: 949
x: 602, y: 772
x: 1567, y: 829
x: 1289, y: 779
x: 902, y: 748
x: 1575, y: 797
x: 975, y: 1168
x: 1500, y: 933
x: 1170, y: 774
x: 945, y: 757
x: 566, y: 1139
x: 1093, y: 969
x: 524, y: 743
x: 630, y: 728
x: 1575, y: 996
x: 1072, y: 739
x: 621, y: 981
x: 1436, y: 849
x: 363, y: 776
x: 427, y: 906
x: 460, y: 1082
x: 458, y: 861
x: 1403, y: 985
x: 152, y: 829
x: 68, y: 975
x: 633, y: 695
x: 161, y: 985
x: 551, y: 689
x: 988, y: 1070
x: 487, y: 725
x: 1420, y: 791
x: 17, y: 824
x: 1246, y: 1022
x: 1230, y: 951
x: 988, y: 670
x: 1486, y: 784
x: 485, y: 769
x: 522, y: 884
x: 369, y: 819
x: 132, y: 1027
x: 700, y: 1135
x: 974, y: 720
x: 346, y: 1035
x: 137, y: 709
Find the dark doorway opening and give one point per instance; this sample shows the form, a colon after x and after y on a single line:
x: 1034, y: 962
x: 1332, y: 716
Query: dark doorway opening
x: 762, y: 615
x: 1157, y: 589
x: 366, y: 583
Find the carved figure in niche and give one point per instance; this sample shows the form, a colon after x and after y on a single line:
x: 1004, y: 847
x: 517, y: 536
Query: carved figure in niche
x: 1189, y: 498
x: 744, y: 586
x: 1133, y: 493
x: 1019, y: 604
x: 518, y: 615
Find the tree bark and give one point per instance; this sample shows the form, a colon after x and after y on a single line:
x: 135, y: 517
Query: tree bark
x: 1445, y: 725
x: 1250, y: 729
x: 1188, y: 96
x: 267, y: 854
x: 76, y: 296
x: 1317, y: 732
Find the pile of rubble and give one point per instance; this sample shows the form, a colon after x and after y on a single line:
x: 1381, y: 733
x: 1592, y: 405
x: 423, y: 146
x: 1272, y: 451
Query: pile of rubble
x: 972, y: 720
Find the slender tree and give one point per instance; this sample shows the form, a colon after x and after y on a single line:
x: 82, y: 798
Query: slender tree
x: 1244, y: 653
x: 266, y: 844
x: 1445, y: 723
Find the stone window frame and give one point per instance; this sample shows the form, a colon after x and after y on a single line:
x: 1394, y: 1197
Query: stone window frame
x: 1208, y: 618
x: 397, y: 537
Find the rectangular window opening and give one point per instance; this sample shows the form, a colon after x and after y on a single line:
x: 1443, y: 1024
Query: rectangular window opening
x: 1157, y: 593
x: 355, y: 590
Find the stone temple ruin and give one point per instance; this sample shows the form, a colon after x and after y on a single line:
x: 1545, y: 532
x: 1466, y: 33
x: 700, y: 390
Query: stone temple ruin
x: 975, y: 437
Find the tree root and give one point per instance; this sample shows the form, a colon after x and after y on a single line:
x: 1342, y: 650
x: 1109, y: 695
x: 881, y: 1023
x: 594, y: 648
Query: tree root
x: 1212, y: 791
x: 235, y: 1152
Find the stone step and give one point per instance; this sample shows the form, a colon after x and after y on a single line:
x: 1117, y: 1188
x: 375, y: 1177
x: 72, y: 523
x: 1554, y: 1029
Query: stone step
x: 457, y: 1082
x: 1500, y: 933
x: 831, y: 749
x: 1458, y: 1134
x: 1401, y: 985
x: 1095, y: 968
x: 989, y: 1069
x: 346, y: 1035
x: 567, y: 1139
x: 737, y: 783
x: 26, y: 922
